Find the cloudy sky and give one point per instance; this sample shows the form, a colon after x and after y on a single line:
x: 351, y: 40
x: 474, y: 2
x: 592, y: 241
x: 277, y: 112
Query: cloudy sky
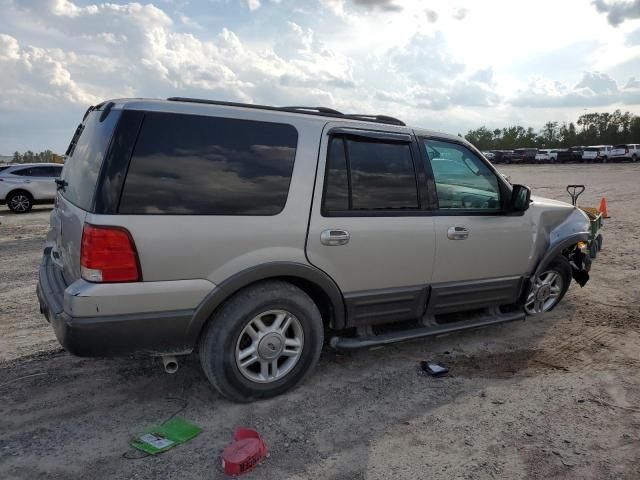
x: 448, y: 65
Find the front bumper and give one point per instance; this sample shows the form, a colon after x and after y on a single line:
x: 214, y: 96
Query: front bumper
x: 108, y: 335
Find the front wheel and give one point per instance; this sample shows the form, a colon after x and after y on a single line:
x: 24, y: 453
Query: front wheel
x: 549, y: 288
x: 20, y: 202
x: 262, y: 342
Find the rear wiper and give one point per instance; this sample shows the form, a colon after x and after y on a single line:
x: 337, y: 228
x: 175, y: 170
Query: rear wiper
x: 61, y: 184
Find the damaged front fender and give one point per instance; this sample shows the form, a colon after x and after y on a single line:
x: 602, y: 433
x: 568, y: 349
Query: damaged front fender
x: 557, y: 227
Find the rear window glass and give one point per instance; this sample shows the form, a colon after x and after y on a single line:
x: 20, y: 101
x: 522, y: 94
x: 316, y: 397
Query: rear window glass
x: 82, y: 166
x: 188, y: 164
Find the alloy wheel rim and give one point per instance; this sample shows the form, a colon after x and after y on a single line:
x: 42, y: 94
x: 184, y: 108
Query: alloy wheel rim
x: 545, y: 293
x: 20, y: 203
x: 269, y: 346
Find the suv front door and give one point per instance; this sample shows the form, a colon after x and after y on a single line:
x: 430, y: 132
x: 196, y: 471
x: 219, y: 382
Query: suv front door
x: 370, y: 227
x: 482, y: 251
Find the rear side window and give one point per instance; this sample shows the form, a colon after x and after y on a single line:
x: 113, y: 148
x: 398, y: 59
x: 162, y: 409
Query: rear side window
x: 23, y: 172
x: 84, y: 157
x: 367, y: 175
x: 188, y: 164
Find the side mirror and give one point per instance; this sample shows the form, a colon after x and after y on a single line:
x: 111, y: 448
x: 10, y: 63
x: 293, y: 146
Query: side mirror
x: 520, y: 198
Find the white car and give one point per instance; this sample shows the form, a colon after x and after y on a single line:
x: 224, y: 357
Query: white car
x: 24, y: 185
x: 627, y: 151
x: 546, y: 155
x: 597, y: 153
x: 489, y: 155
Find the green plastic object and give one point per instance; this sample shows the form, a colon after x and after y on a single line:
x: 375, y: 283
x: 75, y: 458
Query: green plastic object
x: 166, y: 436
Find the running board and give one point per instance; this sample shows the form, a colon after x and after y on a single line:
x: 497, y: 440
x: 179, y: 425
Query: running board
x: 354, y: 343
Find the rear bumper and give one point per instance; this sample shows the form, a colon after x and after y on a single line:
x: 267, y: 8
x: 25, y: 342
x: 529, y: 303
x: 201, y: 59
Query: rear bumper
x: 107, y: 335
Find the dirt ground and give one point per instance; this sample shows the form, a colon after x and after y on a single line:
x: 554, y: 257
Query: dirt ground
x: 552, y: 397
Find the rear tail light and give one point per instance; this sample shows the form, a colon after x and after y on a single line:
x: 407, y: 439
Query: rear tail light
x: 108, y: 254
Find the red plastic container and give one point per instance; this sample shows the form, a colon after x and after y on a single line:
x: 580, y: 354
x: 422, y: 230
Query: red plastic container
x: 246, y: 452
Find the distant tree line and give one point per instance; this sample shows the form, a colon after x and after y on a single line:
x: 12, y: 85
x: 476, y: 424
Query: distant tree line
x: 46, y: 156
x: 592, y: 129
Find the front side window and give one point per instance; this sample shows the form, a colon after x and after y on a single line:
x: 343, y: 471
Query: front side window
x: 199, y: 165
x: 463, y: 181
x: 369, y: 175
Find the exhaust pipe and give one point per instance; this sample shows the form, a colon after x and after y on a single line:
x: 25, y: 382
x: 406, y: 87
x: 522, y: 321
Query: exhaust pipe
x: 170, y: 363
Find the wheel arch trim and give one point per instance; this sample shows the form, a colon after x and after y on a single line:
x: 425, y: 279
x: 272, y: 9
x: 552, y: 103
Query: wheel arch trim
x: 266, y: 271
x: 555, y: 250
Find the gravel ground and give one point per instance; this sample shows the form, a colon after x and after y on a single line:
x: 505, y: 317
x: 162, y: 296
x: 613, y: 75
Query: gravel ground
x: 552, y: 397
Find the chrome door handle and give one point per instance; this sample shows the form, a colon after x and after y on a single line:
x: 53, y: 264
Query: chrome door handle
x: 457, y: 233
x: 333, y: 238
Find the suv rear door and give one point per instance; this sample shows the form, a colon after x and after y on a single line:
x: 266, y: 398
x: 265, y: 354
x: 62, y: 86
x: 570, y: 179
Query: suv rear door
x: 482, y: 252
x: 84, y: 158
x: 370, y: 227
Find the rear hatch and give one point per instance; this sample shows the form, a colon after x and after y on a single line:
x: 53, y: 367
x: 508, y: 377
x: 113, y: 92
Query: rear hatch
x: 75, y: 196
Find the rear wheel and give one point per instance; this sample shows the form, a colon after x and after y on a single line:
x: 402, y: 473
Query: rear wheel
x: 634, y: 158
x: 20, y: 202
x: 549, y: 288
x: 262, y: 342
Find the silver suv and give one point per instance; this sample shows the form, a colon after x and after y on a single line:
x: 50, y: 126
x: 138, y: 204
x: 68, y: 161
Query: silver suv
x: 250, y: 232
x: 26, y: 184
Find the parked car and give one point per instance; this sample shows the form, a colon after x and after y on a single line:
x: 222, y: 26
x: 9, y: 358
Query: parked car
x: 628, y: 151
x: 245, y: 232
x: 26, y: 184
x: 501, y: 156
x: 522, y: 155
x: 546, y: 155
x: 573, y: 154
x: 597, y: 153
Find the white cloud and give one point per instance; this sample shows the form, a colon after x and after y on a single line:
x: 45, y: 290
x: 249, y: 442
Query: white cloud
x: 253, y: 4
x: 411, y: 59
x: 595, y: 89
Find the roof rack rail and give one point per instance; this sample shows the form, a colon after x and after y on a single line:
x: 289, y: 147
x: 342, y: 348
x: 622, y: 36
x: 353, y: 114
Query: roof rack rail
x: 314, y: 109
x: 319, y: 111
x: 376, y: 118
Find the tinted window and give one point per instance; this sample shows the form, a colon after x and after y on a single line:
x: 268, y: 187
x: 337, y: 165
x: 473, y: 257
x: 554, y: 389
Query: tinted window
x: 3, y: 168
x: 336, y: 196
x: 463, y: 181
x: 84, y: 160
x: 379, y: 176
x: 41, y: 172
x: 187, y: 164
x: 23, y: 172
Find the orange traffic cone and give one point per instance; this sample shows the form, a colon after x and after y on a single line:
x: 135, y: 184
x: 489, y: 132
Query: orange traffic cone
x: 603, y: 208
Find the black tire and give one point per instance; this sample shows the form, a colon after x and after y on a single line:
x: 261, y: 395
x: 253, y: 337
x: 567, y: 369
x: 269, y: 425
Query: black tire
x: 561, y: 265
x: 634, y: 158
x: 599, y: 241
x: 221, y: 335
x: 593, y: 249
x: 20, y: 201
x: 605, y: 159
